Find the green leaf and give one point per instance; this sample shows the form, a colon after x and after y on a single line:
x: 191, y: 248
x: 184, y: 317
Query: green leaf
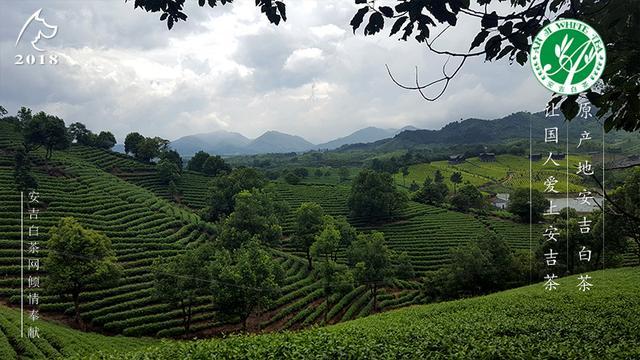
x: 521, y: 57
x: 386, y: 11
x: 397, y: 25
x: 489, y: 20
x: 358, y: 18
x: 479, y: 39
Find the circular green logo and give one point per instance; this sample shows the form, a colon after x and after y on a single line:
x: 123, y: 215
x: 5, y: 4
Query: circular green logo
x: 568, y: 56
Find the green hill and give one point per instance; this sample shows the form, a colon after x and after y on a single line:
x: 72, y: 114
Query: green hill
x: 523, y: 323
x: 57, y: 341
x: 123, y: 198
x: 506, y: 174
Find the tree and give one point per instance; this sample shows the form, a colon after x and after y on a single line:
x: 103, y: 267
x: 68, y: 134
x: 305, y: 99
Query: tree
x: 149, y: 148
x: 343, y: 173
x: 318, y: 172
x: 173, y: 157
x: 78, y: 258
x: 245, y: 281
x: 181, y: 279
x: 433, y: 193
x: 438, y: 177
x: 414, y: 186
x: 23, y: 178
x: 24, y: 115
x: 291, y: 178
x: 80, y: 134
x: 348, y: 233
x: 483, y: 265
x: 374, y: 196
x: 308, y: 225
x: 402, y: 267
x: 301, y: 172
x: 256, y: 216
x: 326, y: 244
x: 622, y: 208
x: 168, y: 171
x: 371, y: 258
x: 223, y: 188
x: 105, y: 140
x: 197, y: 161
x: 468, y: 197
x: 337, y: 281
x: 528, y: 210
x: 172, y: 10
x: 132, y: 142
x: 215, y: 165
x: 48, y: 131
x: 174, y: 191
x: 456, y: 178
x: 405, y: 173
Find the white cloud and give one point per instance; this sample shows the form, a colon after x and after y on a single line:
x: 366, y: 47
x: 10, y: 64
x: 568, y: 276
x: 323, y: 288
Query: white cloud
x: 303, y: 58
x: 228, y: 68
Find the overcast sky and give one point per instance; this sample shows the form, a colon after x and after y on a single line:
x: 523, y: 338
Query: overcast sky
x: 227, y: 68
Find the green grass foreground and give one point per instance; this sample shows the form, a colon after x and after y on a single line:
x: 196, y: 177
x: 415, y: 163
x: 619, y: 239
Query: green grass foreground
x: 523, y: 323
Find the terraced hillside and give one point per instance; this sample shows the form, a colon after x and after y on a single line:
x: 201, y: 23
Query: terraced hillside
x: 506, y: 174
x: 57, y: 341
x: 425, y: 232
x: 142, y: 227
x: 523, y: 323
x: 129, y: 206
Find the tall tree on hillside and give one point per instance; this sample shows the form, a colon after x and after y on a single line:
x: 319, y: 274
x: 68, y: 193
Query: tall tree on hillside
x: 256, y: 216
x: 335, y: 277
x: 223, y: 188
x: 438, y: 177
x: 24, y: 115
x: 131, y: 142
x: 405, y: 173
x: 456, y: 178
x: 173, y: 157
x: 309, y: 222
x: 78, y: 258
x: 246, y: 281
x: 521, y: 206
x: 371, y: 258
x: 433, y: 193
x: 180, y: 280
x: 197, y: 161
x: 468, y: 197
x: 23, y: 178
x: 47, y: 131
x: 105, y: 140
x: 168, y: 171
x: 215, y: 165
x: 79, y: 132
x: 348, y: 233
x: 374, y: 196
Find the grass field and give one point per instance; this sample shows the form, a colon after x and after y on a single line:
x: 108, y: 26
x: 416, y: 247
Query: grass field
x: 523, y: 323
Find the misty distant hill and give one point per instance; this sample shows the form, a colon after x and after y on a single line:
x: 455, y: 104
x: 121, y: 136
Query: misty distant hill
x: 231, y: 143
x: 217, y: 142
x: 367, y: 135
x: 479, y: 131
x: 277, y: 142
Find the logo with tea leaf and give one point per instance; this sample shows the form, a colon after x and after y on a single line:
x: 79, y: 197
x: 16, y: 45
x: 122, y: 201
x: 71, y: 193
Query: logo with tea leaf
x: 568, y: 56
